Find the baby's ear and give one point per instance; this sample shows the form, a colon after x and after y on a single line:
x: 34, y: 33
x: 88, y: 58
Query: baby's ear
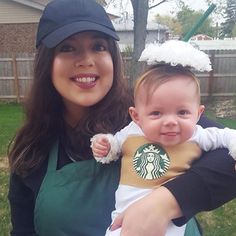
x: 134, y: 114
x: 201, y: 109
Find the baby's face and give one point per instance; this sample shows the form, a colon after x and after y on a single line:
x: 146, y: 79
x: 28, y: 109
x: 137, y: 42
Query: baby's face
x: 170, y: 114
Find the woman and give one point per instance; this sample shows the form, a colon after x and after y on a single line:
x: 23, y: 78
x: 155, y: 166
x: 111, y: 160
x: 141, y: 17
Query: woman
x: 56, y: 188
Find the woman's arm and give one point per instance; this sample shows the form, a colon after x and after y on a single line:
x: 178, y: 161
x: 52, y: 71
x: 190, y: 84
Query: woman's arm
x: 150, y: 215
x: 21, y: 200
x: 208, y: 184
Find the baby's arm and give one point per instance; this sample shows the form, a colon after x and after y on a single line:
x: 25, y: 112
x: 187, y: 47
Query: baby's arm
x: 213, y: 138
x: 100, y: 146
x: 105, y: 148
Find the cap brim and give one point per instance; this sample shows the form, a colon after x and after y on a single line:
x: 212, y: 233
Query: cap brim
x: 57, y: 36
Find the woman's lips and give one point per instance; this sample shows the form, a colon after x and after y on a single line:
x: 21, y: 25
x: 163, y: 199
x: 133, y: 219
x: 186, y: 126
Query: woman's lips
x: 85, y: 81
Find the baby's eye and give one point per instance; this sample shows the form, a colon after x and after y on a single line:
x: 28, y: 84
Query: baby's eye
x: 155, y: 113
x: 183, y: 112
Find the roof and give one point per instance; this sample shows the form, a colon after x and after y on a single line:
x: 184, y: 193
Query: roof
x: 226, y: 44
x: 201, y: 37
x: 128, y: 25
x: 40, y: 4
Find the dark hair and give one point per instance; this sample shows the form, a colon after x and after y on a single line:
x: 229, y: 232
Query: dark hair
x: 44, y: 114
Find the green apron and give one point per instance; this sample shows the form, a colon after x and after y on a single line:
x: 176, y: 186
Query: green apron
x: 192, y: 228
x: 76, y: 200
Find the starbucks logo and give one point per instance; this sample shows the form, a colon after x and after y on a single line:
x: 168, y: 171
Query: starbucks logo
x: 151, y: 161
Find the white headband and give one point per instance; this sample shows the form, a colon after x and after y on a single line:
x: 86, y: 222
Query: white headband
x: 176, y: 52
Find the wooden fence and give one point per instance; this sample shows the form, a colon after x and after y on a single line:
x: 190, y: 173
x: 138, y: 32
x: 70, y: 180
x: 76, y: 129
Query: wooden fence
x: 16, y: 73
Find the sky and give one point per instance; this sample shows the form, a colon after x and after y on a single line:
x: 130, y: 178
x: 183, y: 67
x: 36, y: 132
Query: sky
x: 163, y: 9
x: 169, y: 7
x: 166, y: 8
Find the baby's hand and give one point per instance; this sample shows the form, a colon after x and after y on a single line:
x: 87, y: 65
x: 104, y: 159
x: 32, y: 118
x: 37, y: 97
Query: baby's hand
x: 105, y: 148
x: 101, y: 147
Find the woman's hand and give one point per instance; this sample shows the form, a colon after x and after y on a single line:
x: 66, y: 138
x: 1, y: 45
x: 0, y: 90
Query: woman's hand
x: 149, y: 215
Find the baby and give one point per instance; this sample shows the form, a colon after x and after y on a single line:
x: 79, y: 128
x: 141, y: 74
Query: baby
x: 163, y: 139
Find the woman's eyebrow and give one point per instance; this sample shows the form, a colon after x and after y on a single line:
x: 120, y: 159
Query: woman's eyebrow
x: 93, y: 36
x: 98, y: 36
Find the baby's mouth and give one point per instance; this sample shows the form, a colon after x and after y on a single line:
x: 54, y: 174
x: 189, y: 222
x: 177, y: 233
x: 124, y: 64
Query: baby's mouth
x: 170, y: 133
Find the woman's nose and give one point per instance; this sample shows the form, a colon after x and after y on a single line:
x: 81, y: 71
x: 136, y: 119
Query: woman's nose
x: 83, y: 59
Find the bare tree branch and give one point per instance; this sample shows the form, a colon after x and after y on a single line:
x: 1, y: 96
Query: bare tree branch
x: 157, y: 4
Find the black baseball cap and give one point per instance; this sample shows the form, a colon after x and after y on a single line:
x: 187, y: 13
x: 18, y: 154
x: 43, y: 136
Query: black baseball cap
x: 63, y: 18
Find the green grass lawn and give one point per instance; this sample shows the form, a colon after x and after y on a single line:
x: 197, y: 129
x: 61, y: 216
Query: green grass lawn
x: 10, y: 120
x: 4, y: 207
x: 220, y: 222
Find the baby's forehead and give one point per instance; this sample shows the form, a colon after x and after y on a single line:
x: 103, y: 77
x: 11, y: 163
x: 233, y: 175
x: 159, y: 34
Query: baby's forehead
x: 181, y: 84
x: 150, y: 85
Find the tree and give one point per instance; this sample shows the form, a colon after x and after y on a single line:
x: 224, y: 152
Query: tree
x: 140, y: 12
x: 102, y: 2
x: 171, y: 22
x: 230, y: 20
x: 188, y: 17
x: 218, y: 11
x: 140, y: 15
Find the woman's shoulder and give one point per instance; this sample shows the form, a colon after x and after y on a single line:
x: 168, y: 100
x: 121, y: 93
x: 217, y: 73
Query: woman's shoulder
x: 205, y: 122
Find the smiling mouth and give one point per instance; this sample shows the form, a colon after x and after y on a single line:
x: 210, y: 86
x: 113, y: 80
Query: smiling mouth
x: 85, y: 79
x: 170, y: 134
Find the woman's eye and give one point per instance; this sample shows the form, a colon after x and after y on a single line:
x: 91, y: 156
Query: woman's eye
x: 66, y: 48
x: 100, y: 47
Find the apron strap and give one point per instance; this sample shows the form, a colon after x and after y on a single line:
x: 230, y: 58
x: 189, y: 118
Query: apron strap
x: 53, y: 157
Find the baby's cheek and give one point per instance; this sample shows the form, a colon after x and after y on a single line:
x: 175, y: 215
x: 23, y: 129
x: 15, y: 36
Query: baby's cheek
x: 190, y: 130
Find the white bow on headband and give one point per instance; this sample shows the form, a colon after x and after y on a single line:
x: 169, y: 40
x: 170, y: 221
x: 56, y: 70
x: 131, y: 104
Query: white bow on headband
x: 176, y: 52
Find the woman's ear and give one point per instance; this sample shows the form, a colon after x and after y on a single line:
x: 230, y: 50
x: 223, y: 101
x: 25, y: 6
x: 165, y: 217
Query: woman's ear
x: 134, y: 114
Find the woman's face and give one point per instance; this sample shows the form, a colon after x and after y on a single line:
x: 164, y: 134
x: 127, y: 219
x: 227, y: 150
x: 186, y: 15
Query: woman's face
x: 82, y: 71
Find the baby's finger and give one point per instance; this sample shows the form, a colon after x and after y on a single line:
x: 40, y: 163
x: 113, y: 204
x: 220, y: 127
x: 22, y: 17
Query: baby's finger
x: 117, y: 222
x: 103, y: 140
x: 100, y: 146
x: 99, y: 152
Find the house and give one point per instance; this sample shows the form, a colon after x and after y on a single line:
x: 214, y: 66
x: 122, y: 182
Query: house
x: 201, y: 37
x: 19, y: 20
x: 18, y: 24
x: 124, y: 27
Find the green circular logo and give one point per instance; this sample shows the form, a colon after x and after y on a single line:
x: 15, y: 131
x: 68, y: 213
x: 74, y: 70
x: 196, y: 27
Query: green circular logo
x: 151, y: 161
